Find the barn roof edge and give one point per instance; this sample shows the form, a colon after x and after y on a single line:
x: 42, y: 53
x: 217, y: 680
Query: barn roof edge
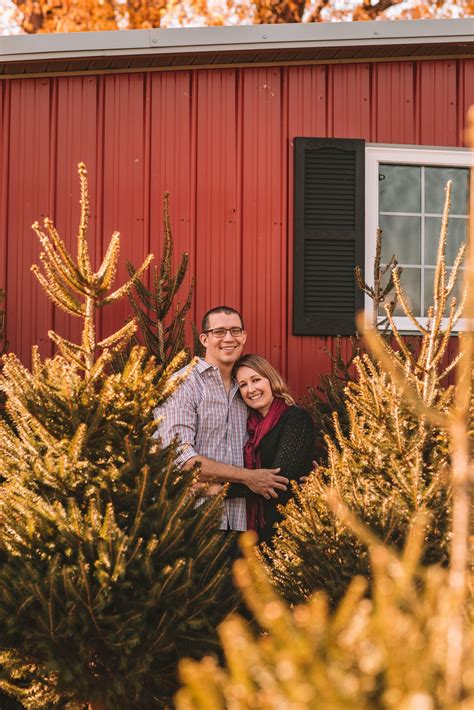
x: 377, y: 36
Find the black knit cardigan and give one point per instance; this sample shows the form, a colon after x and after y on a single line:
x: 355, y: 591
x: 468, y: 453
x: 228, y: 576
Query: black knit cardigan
x: 289, y: 446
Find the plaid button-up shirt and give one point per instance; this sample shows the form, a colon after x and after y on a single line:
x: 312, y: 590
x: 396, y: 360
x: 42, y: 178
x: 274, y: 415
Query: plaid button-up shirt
x: 209, y: 422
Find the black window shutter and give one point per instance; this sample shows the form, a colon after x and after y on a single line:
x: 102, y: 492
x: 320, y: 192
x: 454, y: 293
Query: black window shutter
x: 329, y: 234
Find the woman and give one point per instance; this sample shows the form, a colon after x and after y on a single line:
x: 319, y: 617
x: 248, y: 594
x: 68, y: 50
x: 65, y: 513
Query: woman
x: 281, y: 435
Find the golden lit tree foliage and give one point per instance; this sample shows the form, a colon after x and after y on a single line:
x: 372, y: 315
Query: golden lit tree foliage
x: 109, y: 573
x: 328, y: 396
x: 77, y: 290
x: 88, y: 15
x: 66, y: 15
x: 388, y: 464
x: 383, y: 653
x: 160, y: 320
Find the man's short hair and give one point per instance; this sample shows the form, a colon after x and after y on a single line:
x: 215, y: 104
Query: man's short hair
x: 219, y: 309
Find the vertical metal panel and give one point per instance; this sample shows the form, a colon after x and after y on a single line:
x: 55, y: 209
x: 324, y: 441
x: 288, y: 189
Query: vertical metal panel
x: 172, y: 167
x: 221, y: 142
x: 264, y: 263
x: 349, y: 109
x: 78, y: 137
x: 218, y: 190
x: 436, y: 104
x: 466, y: 94
x: 30, y: 166
x: 393, y: 102
x: 4, y: 193
x: 126, y: 170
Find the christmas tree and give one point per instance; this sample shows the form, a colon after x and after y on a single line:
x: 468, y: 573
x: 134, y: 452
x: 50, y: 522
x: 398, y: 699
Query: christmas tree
x: 388, y: 652
x: 328, y: 396
x: 389, y: 464
x: 160, y: 320
x: 109, y: 572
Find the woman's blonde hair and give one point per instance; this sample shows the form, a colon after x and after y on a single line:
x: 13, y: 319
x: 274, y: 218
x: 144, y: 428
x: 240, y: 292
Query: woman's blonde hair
x: 264, y: 369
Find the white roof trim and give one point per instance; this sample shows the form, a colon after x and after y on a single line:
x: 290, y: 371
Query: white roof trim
x: 224, y: 39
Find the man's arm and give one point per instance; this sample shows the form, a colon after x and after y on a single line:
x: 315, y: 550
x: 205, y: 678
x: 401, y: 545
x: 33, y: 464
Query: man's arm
x: 263, y: 481
x: 177, y: 417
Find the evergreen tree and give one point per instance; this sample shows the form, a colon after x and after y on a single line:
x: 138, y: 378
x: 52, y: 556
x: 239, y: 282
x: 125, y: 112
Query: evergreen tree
x: 109, y: 572
x: 328, y: 396
x: 390, y: 464
x: 161, y: 323
x: 384, y: 653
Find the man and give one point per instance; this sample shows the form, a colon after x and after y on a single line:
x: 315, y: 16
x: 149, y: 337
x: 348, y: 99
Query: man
x: 209, y: 417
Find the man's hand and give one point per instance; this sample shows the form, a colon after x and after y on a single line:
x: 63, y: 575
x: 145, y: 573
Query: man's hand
x: 265, y: 481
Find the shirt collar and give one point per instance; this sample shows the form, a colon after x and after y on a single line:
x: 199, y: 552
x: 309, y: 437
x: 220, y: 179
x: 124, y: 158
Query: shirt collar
x: 202, y: 366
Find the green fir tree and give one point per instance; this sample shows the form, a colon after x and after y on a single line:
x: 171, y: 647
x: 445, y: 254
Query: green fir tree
x: 328, y: 396
x: 160, y: 319
x: 109, y: 572
x: 388, y: 652
x: 388, y: 465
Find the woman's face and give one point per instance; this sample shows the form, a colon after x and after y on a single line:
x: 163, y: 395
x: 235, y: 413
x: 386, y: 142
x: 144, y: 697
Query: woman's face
x: 256, y: 390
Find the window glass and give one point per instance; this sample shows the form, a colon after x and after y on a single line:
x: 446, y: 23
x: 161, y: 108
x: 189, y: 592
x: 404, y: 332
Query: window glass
x: 429, y: 281
x: 410, y: 280
x: 435, y: 182
x: 411, y: 201
x: 457, y: 235
x: 402, y: 237
x: 399, y: 188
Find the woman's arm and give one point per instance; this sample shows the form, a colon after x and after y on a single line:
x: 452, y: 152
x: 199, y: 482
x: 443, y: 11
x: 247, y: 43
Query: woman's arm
x: 294, y: 450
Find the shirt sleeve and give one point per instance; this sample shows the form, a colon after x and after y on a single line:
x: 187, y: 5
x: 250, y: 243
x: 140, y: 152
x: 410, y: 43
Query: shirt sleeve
x: 177, y: 418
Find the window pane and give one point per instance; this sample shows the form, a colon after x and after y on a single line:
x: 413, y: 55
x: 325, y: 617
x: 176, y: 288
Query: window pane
x: 402, y: 237
x: 457, y: 234
x: 429, y: 281
x: 399, y: 188
x: 435, y: 182
x: 410, y: 280
x: 390, y: 296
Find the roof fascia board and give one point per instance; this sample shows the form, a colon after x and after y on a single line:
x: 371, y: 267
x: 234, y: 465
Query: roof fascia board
x: 241, y: 38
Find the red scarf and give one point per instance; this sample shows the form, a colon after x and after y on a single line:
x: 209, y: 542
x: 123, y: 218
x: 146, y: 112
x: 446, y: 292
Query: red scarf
x: 258, y: 427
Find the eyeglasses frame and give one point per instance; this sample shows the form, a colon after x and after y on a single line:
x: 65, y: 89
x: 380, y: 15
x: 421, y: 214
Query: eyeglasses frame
x: 227, y: 330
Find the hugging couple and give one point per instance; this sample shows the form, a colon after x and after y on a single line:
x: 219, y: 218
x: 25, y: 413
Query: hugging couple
x: 235, y: 417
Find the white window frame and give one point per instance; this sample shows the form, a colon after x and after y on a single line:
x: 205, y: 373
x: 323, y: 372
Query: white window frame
x: 376, y: 153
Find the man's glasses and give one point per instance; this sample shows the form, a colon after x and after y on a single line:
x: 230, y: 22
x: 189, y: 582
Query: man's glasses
x: 222, y: 332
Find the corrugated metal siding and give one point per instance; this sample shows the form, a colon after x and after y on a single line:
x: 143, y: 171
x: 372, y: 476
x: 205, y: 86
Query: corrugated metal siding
x: 221, y: 142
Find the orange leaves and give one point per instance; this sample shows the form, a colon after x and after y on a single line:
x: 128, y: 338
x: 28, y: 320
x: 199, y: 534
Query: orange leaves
x: 89, y: 15
x: 46, y: 16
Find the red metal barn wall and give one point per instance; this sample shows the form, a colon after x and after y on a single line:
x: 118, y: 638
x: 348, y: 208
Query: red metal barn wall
x: 220, y: 141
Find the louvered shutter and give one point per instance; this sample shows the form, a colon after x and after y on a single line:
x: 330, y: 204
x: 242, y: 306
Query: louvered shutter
x: 329, y: 234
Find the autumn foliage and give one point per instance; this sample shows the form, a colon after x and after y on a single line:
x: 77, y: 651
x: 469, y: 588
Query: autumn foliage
x: 89, y: 15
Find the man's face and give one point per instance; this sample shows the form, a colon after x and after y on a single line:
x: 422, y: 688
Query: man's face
x: 225, y: 350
